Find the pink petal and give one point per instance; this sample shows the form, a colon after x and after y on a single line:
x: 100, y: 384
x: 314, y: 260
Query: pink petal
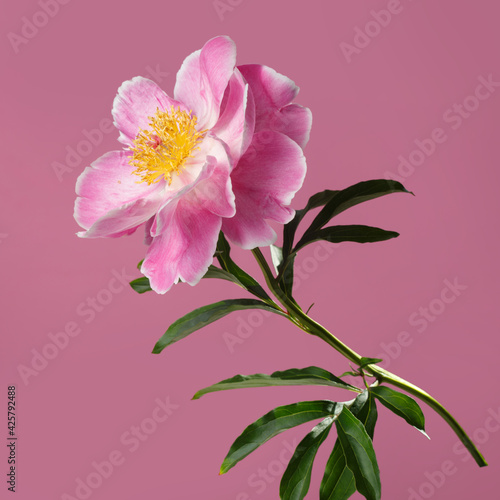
x: 273, y: 94
x: 148, y: 239
x: 237, y: 121
x: 264, y: 183
x: 270, y: 88
x: 293, y: 120
x: 137, y: 100
x: 185, y: 250
x: 211, y: 190
x: 110, y: 200
x: 203, y: 78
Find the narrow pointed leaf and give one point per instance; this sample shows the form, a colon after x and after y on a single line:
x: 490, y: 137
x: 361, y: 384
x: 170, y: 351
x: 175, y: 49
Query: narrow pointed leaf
x: 338, y: 481
x: 402, y: 405
x: 287, y: 276
x: 243, y: 278
x: 214, y: 272
x: 317, y: 200
x: 353, y: 195
x: 359, y: 454
x: 204, y: 316
x: 285, y: 269
x: 271, y: 424
x: 297, y: 477
x: 141, y: 285
x: 354, y: 233
x: 295, y: 376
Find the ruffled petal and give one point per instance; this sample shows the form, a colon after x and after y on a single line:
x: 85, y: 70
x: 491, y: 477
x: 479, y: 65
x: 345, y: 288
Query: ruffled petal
x: 237, y: 121
x: 270, y: 88
x: 264, y: 183
x: 185, y: 250
x: 137, y: 100
x: 273, y: 94
x: 293, y: 120
x: 111, y: 201
x: 203, y: 78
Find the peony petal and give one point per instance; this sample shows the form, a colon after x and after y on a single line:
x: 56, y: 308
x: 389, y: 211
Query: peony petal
x: 203, y: 78
x: 123, y: 220
x: 273, y: 94
x: 264, y: 183
x: 107, y: 188
x: 148, y: 239
x: 137, y: 100
x: 185, y: 250
x: 293, y: 120
x: 248, y: 228
x: 237, y: 121
x: 270, y: 88
x: 211, y: 189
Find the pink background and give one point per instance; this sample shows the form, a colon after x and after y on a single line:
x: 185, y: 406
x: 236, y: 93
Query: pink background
x: 369, y: 107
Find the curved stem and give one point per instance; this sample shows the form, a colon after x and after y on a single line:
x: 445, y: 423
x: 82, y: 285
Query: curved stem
x: 310, y: 326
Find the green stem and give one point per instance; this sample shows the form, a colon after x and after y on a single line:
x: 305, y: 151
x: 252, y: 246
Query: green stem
x: 301, y: 319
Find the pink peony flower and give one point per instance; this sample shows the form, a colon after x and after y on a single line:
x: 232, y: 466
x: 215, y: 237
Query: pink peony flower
x: 224, y: 153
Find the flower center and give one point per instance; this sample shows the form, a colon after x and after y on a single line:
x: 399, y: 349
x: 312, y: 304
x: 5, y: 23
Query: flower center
x: 162, y: 150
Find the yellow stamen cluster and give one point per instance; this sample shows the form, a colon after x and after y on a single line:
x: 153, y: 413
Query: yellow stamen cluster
x: 162, y: 150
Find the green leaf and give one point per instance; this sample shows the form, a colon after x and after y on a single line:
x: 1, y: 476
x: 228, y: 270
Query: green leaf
x: 295, y: 376
x: 214, y: 272
x: 242, y: 278
x: 353, y: 195
x: 402, y: 405
x: 359, y: 454
x: 333, y: 202
x: 141, y: 285
x: 355, y: 233
x: 271, y: 424
x: 369, y: 361
x: 140, y: 264
x: 315, y: 201
x: 297, y: 477
x: 338, y: 481
x: 287, y: 276
x: 366, y: 413
x: 285, y: 268
x: 204, y: 316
